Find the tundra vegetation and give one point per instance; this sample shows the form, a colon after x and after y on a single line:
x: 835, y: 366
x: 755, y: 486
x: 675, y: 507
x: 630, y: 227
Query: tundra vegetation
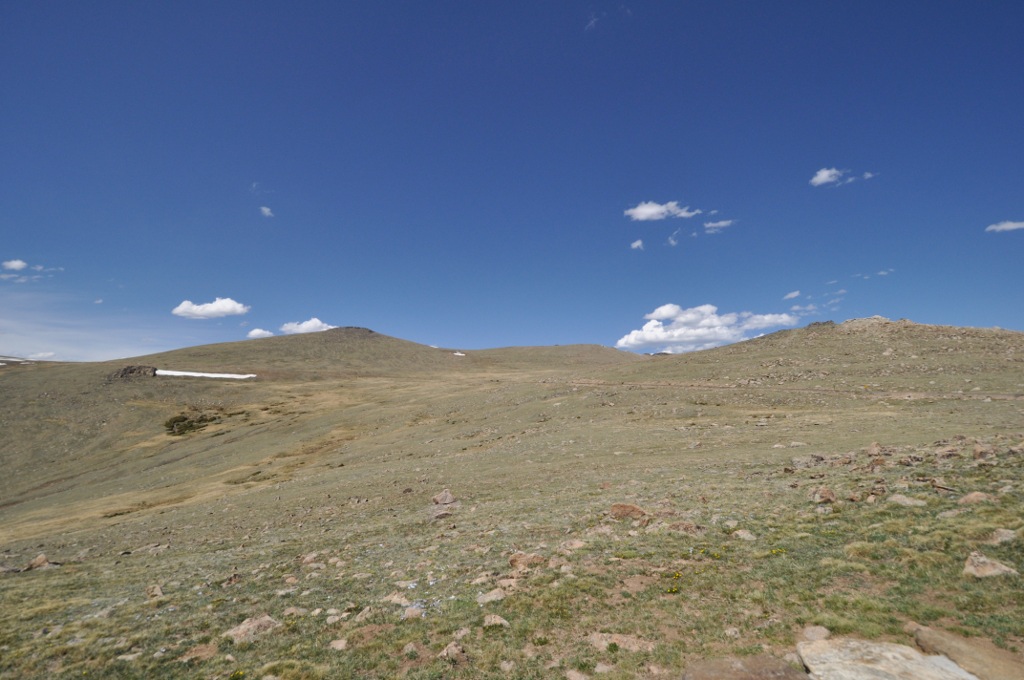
x: 370, y: 507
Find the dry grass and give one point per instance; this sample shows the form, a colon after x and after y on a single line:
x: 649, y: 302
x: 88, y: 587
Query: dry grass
x: 339, y: 446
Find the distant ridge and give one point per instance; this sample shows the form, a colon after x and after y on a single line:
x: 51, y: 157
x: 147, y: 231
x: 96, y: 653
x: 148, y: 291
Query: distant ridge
x: 353, y: 350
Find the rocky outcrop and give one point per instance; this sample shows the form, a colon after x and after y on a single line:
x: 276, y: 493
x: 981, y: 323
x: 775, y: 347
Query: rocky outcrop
x: 133, y: 372
x: 850, y: 659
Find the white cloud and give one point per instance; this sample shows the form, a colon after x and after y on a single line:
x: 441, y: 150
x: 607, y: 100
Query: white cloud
x: 41, y: 356
x: 637, y: 244
x: 15, y: 265
x: 715, y: 227
x: 1000, y: 226
x: 98, y: 301
x: 670, y: 328
x: 837, y: 177
x: 266, y: 212
x: 803, y: 309
x: 827, y: 176
x: 649, y: 210
x: 790, y: 296
x: 673, y: 240
x: 258, y: 333
x: 210, y: 310
x: 313, y: 325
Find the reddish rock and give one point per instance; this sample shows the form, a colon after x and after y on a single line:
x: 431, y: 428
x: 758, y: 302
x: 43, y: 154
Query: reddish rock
x: 521, y: 561
x: 251, y: 628
x: 627, y: 511
x: 974, y: 655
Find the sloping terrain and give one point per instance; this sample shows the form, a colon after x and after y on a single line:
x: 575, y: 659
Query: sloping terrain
x: 602, y: 493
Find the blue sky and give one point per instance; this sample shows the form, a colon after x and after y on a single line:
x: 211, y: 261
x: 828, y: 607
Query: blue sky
x: 652, y: 175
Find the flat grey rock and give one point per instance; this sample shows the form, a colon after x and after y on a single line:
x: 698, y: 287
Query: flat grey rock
x: 850, y: 659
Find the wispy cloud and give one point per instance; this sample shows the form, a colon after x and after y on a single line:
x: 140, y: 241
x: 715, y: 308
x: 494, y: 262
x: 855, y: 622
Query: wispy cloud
x: 792, y: 295
x: 266, y: 212
x: 313, y: 325
x: 671, y: 328
x: 210, y: 310
x: 19, y: 271
x: 637, y: 244
x: 715, y: 227
x: 649, y: 210
x: 999, y: 226
x: 837, y: 177
x: 804, y: 310
x: 258, y: 333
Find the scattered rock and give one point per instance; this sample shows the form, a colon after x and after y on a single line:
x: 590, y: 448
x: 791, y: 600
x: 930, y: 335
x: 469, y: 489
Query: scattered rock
x: 977, y: 497
x: 40, y: 562
x: 743, y: 535
x: 295, y: 611
x: 495, y: 621
x: 627, y: 511
x: 812, y: 633
x: 200, y: 653
x: 1001, y: 536
x: 493, y: 596
x: 251, y: 628
x: 453, y: 654
x: 366, y: 613
x: 572, y: 544
x: 507, y: 666
x: 397, y: 598
x: 760, y: 667
x: 442, y: 512
x: 520, y: 561
x: 823, y: 494
x: 977, y: 656
x: 339, y: 645
x: 900, y: 499
x: 602, y: 668
x: 412, y: 613
x: 979, y: 566
x: 444, y: 498
x: 154, y: 591
x: 573, y: 674
x: 630, y: 643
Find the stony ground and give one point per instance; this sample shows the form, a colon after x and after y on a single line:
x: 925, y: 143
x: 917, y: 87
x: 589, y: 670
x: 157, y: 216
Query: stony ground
x: 544, y: 512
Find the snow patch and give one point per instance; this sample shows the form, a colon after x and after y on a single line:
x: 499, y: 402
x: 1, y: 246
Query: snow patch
x: 193, y: 374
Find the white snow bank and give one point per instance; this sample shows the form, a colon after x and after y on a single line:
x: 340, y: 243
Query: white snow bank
x: 192, y: 374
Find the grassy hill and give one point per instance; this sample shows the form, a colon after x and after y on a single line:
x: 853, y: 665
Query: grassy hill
x: 310, y: 488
